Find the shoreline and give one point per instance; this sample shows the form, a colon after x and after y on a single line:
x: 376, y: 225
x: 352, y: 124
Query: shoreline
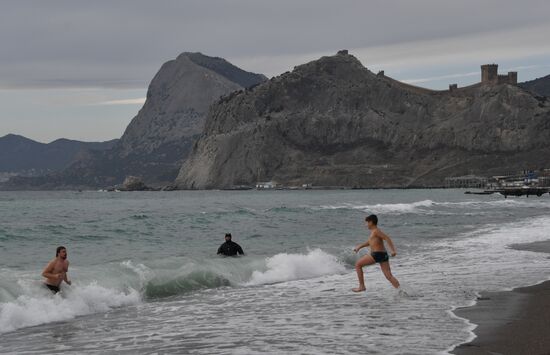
x: 510, y: 322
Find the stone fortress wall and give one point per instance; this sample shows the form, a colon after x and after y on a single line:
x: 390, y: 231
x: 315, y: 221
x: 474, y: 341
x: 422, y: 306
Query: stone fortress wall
x: 489, y: 76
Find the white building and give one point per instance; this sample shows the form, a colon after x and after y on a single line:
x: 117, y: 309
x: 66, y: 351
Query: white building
x: 265, y: 185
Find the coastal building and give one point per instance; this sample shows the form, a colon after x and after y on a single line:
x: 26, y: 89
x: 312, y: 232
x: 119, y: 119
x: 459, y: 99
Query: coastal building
x: 265, y: 185
x: 467, y: 181
x: 544, y: 181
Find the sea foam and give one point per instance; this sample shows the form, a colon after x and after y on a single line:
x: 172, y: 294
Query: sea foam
x: 287, y: 267
x: 43, y: 307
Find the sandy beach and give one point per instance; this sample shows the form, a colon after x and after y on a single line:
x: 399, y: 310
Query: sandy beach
x: 515, y: 322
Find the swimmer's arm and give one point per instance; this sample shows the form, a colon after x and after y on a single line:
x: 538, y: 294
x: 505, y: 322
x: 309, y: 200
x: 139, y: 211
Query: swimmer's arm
x: 388, y: 240
x: 65, y: 277
x: 48, y: 271
x: 361, y: 246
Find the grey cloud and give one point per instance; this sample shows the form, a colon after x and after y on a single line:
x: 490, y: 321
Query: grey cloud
x: 122, y: 43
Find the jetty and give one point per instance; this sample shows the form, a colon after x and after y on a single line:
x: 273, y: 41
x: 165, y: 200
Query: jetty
x: 514, y: 191
x: 526, y: 183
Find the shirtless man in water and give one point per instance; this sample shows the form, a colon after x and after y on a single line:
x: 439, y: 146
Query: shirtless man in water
x: 378, y: 253
x: 56, y: 271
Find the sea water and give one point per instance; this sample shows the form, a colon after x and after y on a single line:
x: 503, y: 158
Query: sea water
x: 146, y: 277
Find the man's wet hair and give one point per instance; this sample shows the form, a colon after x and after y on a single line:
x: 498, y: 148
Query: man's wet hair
x: 228, y: 235
x: 372, y: 218
x: 58, y: 250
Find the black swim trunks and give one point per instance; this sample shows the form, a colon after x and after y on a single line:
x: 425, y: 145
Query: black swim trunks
x: 380, y: 256
x: 54, y: 289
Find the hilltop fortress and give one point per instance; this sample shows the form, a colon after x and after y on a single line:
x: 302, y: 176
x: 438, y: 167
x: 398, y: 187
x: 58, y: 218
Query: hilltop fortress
x: 332, y: 122
x: 489, y: 75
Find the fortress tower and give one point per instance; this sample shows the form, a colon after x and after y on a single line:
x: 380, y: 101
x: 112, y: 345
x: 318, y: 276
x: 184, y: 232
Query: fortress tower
x: 489, y: 74
x: 512, y: 77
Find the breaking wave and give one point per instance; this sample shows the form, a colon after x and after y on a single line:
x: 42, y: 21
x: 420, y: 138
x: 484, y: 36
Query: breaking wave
x: 431, y: 207
x: 288, y: 267
x: 29, y: 303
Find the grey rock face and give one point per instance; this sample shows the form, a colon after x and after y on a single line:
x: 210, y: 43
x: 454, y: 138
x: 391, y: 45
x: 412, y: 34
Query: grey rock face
x: 332, y: 122
x: 177, y: 101
x: 161, y: 135
x: 540, y: 86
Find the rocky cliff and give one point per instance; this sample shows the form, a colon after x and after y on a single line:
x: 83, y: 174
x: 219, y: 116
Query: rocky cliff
x: 160, y: 136
x: 178, y: 99
x: 332, y: 122
x: 540, y: 86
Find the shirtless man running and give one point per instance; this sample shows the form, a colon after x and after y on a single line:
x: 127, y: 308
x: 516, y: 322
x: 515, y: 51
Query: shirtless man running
x: 56, y: 271
x: 378, y: 253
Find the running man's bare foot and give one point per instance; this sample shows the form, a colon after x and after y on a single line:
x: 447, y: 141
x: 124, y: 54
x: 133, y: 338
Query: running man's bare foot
x: 359, y: 289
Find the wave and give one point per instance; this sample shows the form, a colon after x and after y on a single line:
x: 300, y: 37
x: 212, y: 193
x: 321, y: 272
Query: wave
x: 183, y: 284
x: 521, y: 268
x: 237, y: 272
x: 384, y: 208
x: 286, y: 209
x: 139, y: 216
x: 288, y: 267
x: 25, y: 302
x: 43, y: 307
x: 431, y: 207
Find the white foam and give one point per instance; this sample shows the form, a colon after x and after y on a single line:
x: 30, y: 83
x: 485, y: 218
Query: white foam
x: 497, y: 267
x: 143, y: 272
x: 430, y: 206
x: 44, y: 307
x: 287, y: 267
x: 388, y: 208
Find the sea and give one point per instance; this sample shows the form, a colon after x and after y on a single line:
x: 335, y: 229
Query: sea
x: 147, y: 280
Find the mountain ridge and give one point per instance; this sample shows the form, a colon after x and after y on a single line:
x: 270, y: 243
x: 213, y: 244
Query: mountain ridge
x: 19, y: 154
x: 162, y: 133
x: 332, y: 122
x: 538, y: 86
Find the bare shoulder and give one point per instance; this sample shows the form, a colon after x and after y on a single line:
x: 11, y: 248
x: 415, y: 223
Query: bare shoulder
x: 51, y: 265
x: 380, y: 233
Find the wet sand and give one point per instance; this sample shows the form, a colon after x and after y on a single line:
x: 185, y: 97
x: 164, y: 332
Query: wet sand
x: 515, y: 322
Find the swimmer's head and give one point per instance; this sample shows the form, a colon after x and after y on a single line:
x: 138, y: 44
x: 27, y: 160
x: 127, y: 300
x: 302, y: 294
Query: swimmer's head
x: 372, y: 221
x: 227, y: 237
x: 61, y: 251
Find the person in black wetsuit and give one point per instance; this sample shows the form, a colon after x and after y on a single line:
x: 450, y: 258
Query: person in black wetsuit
x: 230, y: 248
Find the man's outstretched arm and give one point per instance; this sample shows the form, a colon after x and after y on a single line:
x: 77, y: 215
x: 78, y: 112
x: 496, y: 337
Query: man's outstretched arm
x: 240, y: 250
x: 361, y: 246
x: 388, y: 240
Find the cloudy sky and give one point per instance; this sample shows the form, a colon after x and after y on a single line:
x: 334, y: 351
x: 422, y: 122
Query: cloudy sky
x: 80, y: 69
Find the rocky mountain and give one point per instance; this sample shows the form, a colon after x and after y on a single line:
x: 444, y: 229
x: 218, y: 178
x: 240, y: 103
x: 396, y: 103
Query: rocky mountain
x: 20, y: 155
x: 161, y: 135
x: 178, y: 99
x: 540, y: 86
x: 332, y: 122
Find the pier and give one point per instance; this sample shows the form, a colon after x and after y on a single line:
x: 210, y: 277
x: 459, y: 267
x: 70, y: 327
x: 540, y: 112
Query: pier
x: 514, y: 191
x: 526, y: 183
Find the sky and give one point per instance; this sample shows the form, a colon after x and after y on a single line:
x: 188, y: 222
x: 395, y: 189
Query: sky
x: 80, y: 69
